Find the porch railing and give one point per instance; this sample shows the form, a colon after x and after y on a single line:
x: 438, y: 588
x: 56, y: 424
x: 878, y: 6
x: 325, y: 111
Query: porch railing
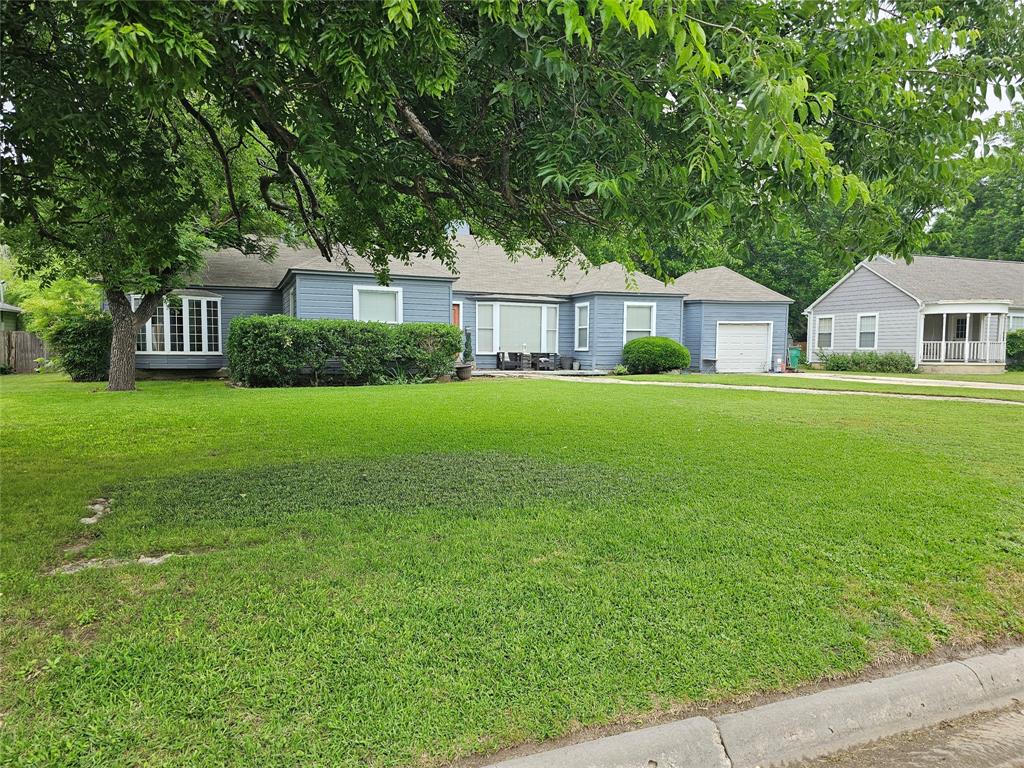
x: 963, y: 352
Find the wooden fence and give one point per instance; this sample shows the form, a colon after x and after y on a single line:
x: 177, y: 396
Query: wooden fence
x: 19, y: 350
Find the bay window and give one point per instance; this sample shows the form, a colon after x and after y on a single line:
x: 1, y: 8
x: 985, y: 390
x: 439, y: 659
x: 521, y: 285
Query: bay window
x: 181, y: 324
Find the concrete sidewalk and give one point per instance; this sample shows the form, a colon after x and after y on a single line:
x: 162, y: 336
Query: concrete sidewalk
x: 911, y: 380
x: 766, y: 388
x: 791, y: 731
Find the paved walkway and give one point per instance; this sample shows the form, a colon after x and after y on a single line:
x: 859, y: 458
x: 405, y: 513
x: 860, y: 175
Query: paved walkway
x: 760, y: 388
x: 921, y: 382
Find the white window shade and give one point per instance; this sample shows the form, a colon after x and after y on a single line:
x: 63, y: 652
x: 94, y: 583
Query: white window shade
x: 520, y: 328
x: 378, y: 306
x: 639, y: 321
x: 551, y: 329
x: 582, y: 327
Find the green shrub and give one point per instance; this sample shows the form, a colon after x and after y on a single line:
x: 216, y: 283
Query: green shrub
x: 81, y: 343
x: 654, y: 354
x: 1015, y: 350
x: 278, y: 350
x: 870, y: 361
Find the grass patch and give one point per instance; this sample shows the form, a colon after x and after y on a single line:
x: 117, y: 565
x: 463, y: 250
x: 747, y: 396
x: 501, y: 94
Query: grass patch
x: 404, y: 575
x: 783, y: 381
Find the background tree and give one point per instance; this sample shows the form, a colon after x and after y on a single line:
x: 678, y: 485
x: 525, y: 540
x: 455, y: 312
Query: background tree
x: 990, y: 224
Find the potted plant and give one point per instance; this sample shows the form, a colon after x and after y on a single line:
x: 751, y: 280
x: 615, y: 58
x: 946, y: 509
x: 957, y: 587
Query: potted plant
x: 464, y: 369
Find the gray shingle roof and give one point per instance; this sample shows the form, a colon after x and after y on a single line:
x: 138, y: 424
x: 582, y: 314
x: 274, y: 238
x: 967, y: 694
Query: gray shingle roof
x: 482, y: 268
x: 723, y: 284
x: 947, y: 278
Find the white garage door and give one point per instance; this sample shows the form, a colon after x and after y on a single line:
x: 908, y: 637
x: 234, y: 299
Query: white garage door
x: 744, y: 347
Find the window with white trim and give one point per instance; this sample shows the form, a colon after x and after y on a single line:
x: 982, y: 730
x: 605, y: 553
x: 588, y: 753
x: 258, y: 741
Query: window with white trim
x: 485, y: 329
x: 1017, y: 322
x: 181, y: 325
x: 377, y: 303
x: 823, y: 338
x: 583, y: 327
x: 550, y: 328
x: 867, y: 331
x: 638, y: 320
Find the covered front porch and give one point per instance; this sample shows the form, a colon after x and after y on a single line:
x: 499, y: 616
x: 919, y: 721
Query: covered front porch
x: 968, y: 335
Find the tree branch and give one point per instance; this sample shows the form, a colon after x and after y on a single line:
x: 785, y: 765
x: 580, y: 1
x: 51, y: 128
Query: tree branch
x: 225, y: 163
x: 422, y: 133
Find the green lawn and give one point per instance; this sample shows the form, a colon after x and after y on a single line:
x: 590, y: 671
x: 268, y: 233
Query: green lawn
x: 798, y: 382
x: 404, y: 575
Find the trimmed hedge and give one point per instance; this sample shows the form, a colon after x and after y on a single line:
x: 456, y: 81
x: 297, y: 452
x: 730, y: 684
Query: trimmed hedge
x: 81, y: 344
x: 1015, y: 350
x: 654, y: 354
x: 280, y: 351
x: 874, y: 362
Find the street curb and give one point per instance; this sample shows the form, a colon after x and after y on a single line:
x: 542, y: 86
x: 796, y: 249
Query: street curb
x: 806, y: 727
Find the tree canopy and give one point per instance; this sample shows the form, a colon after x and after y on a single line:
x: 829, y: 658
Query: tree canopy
x: 607, y: 125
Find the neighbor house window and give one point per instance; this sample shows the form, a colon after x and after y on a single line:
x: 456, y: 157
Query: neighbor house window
x: 583, y: 327
x: 550, y: 329
x: 181, y: 325
x: 824, y: 335
x: 638, y: 320
x: 867, y: 331
x: 1017, y: 322
x: 485, y: 329
x: 378, y: 303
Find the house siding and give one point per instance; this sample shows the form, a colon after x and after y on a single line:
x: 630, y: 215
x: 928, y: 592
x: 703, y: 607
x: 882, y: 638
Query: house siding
x: 607, y: 316
x: 865, y: 292
x: 234, y: 302
x: 330, y: 297
x: 709, y: 314
x: 693, y: 315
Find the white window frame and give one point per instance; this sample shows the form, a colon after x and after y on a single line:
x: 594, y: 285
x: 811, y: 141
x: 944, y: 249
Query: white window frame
x: 1014, y: 316
x: 291, y: 296
x: 493, y: 329
x: 578, y: 327
x: 625, y: 314
x: 166, y: 311
x: 859, y: 317
x: 357, y: 289
x: 496, y: 315
x: 462, y: 313
x: 817, y: 331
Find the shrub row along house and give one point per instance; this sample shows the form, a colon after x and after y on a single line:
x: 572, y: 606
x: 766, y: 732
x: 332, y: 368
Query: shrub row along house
x: 728, y: 322
x: 950, y: 314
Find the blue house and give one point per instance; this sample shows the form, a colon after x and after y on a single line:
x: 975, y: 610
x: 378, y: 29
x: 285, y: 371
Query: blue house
x: 586, y: 313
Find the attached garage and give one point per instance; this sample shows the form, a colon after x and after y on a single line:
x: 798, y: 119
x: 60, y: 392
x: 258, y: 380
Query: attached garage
x: 743, y: 347
x: 732, y: 324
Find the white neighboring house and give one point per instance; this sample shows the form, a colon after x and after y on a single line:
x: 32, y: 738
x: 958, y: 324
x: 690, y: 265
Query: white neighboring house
x: 950, y: 314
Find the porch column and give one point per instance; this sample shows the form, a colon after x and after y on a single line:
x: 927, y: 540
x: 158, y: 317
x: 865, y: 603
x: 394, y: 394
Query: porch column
x: 942, y: 346
x: 967, y: 340
x: 988, y: 338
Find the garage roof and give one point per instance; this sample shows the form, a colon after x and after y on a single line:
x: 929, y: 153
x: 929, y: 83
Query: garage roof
x: 723, y: 284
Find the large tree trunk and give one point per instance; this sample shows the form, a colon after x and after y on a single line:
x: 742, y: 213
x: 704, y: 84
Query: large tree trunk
x: 122, y: 345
